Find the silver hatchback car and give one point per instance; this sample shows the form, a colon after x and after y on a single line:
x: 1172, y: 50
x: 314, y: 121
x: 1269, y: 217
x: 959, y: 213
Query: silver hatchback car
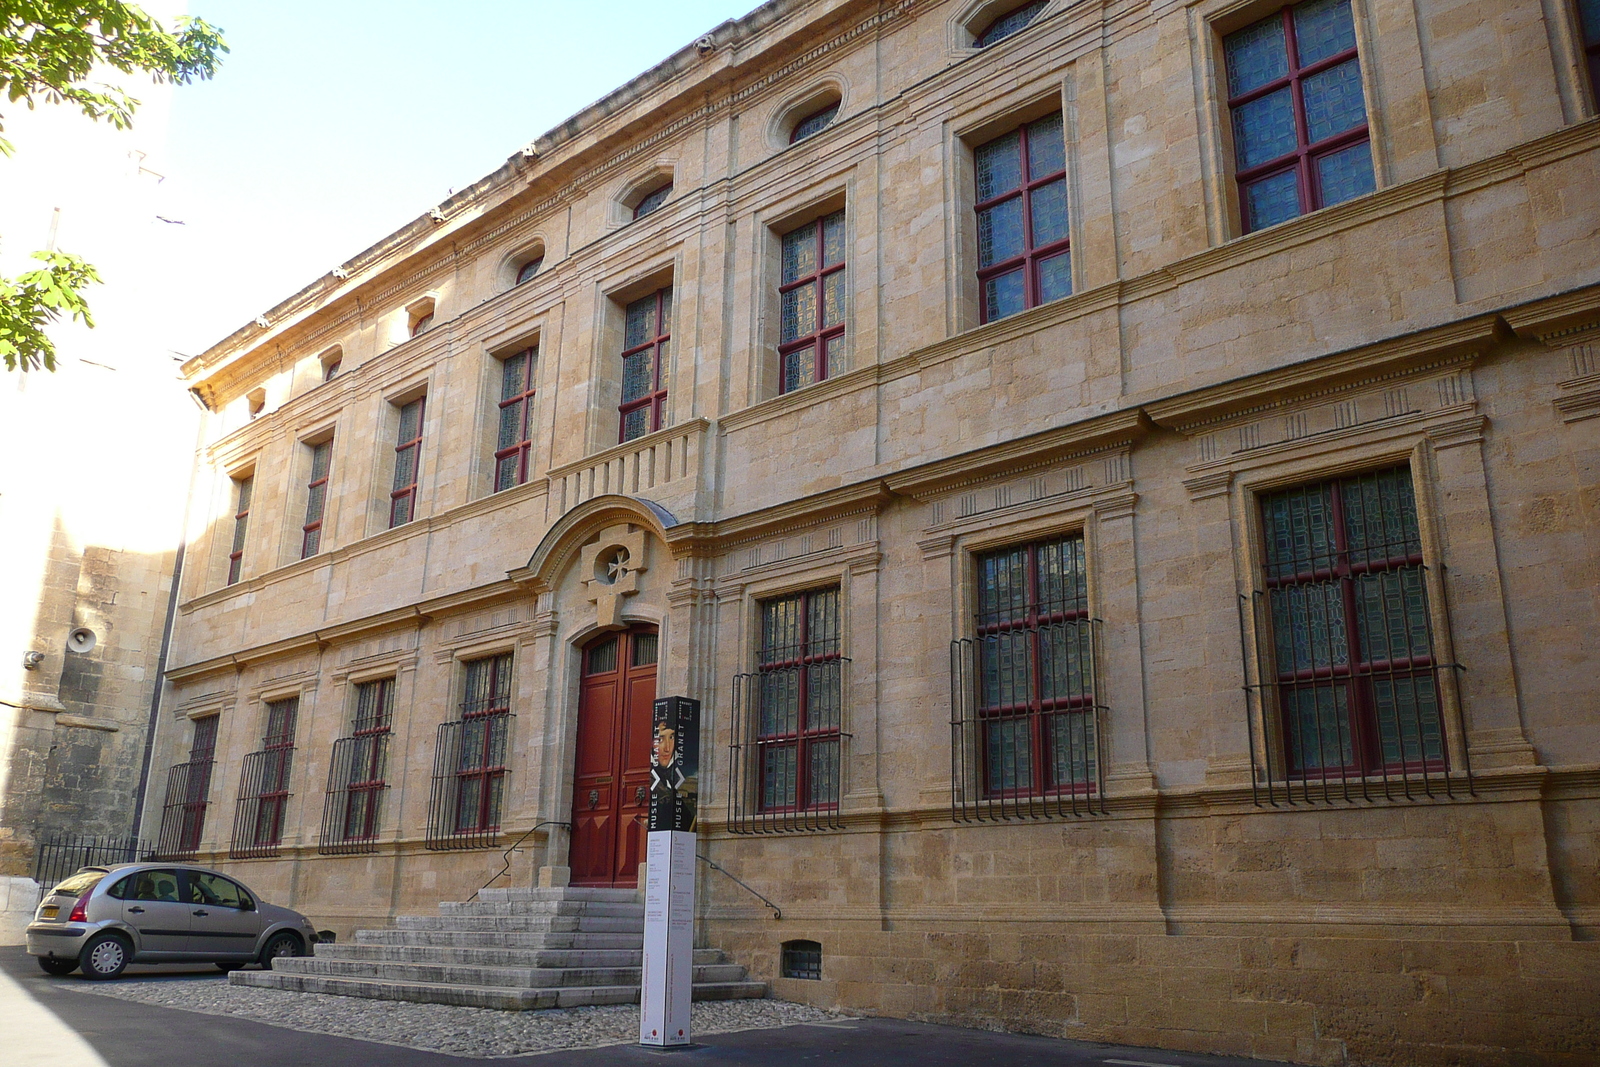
x: 103, y: 918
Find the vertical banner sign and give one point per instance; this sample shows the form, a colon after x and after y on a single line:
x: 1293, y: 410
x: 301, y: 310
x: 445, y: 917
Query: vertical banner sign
x: 669, y: 879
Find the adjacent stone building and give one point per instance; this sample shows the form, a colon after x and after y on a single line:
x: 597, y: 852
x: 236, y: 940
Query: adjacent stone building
x: 1120, y: 477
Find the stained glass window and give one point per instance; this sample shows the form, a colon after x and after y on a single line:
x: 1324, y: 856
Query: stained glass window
x: 799, y: 675
x: 652, y: 200
x: 407, y: 465
x: 1009, y: 23
x: 529, y: 269
x: 1351, y: 640
x: 811, y: 298
x: 244, y: 488
x: 1300, y: 133
x: 815, y: 122
x: 1024, y: 253
x: 519, y: 376
x: 1036, y: 703
x: 647, y: 340
x: 481, y: 761
x: 316, y: 499
x: 1589, y: 22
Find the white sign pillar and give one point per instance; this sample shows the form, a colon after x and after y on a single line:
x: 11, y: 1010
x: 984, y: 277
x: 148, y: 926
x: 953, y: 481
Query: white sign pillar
x: 668, y: 939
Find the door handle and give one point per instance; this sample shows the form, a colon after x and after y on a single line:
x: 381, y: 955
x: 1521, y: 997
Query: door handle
x: 640, y: 794
x: 201, y: 911
x: 594, y: 799
x: 136, y: 911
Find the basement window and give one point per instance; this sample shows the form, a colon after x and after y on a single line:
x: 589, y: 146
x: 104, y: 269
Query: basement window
x: 802, y: 959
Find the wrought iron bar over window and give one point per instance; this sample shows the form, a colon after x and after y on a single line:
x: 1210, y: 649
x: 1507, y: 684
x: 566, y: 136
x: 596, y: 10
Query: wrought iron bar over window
x: 264, y: 786
x: 1025, y: 729
x: 469, y: 761
x: 1346, y: 694
x: 352, y: 809
x: 183, y: 809
x: 788, y: 739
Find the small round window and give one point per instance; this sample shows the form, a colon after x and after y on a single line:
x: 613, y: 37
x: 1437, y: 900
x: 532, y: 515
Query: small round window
x: 814, y: 123
x: 529, y: 269
x: 652, y: 201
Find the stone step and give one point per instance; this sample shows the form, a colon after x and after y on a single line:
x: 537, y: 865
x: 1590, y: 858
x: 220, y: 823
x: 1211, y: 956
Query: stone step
x: 541, y: 907
x: 501, y: 956
x: 478, y: 996
x: 498, y: 977
x: 597, y: 924
x: 615, y: 896
x: 562, y: 939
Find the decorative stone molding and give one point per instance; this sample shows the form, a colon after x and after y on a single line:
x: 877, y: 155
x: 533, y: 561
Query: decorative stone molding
x: 612, y: 566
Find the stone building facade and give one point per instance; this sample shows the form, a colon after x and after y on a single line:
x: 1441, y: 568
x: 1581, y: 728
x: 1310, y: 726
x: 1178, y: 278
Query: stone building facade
x: 1121, y: 479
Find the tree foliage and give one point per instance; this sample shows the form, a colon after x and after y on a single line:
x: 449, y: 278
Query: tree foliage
x: 49, y: 50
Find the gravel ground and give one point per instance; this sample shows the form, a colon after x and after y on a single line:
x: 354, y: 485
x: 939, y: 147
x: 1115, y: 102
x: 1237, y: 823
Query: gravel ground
x: 480, y: 1032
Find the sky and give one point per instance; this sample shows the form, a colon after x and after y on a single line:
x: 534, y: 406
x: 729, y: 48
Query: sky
x: 332, y: 124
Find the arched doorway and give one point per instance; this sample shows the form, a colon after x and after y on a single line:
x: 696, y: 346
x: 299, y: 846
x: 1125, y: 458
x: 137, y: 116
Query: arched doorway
x: 611, y: 780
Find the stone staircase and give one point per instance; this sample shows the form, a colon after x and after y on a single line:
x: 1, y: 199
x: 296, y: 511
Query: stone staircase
x: 514, y: 949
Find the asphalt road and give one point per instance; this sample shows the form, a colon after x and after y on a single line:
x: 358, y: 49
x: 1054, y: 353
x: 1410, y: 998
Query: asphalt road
x: 111, y: 1032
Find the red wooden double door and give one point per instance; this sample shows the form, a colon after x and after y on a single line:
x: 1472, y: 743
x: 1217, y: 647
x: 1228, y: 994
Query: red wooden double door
x: 611, y: 787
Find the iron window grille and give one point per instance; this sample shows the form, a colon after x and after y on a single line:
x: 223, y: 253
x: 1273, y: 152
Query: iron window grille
x: 407, y: 465
x: 1024, y: 253
x: 1345, y: 692
x: 802, y: 959
x: 316, y: 499
x: 647, y: 339
x: 264, y: 786
x: 183, y: 809
x: 519, y: 375
x: 652, y: 201
x: 811, y: 297
x: 814, y: 123
x: 1589, y: 23
x: 1299, y: 115
x: 241, y: 524
x: 469, y: 761
x: 1009, y: 23
x: 352, y: 808
x: 788, y: 741
x: 1026, y: 728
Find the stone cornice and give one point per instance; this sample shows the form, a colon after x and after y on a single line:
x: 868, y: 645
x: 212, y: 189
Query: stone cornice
x: 1456, y: 342
x: 1096, y: 434
x: 1556, y: 319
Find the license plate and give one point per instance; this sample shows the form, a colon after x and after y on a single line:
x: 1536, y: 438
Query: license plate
x: 49, y: 911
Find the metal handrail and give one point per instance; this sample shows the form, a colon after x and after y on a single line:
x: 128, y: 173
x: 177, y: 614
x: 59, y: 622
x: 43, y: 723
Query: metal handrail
x: 777, y: 912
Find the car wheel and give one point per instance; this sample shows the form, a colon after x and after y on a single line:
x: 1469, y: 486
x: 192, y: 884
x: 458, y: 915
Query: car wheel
x: 57, y: 967
x: 104, y: 957
x: 279, y: 946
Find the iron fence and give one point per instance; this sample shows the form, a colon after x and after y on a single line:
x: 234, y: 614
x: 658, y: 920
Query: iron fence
x: 1026, y: 725
x: 61, y: 852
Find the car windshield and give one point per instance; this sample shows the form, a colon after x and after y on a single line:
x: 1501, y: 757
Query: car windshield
x: 79, y: 883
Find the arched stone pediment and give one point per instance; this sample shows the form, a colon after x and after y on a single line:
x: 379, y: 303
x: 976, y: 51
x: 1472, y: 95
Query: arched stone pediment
x: 563, y: 544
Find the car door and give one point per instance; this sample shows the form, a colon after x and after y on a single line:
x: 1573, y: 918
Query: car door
x: 223, y: 918
x: 151, y: 904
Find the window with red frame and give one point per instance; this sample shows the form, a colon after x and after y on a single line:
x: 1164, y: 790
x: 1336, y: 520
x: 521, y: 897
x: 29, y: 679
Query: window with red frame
x: 1299, y: 115
x: 799, y: 673
x: 316, y: 499
x: 407, y: 465
x: 811, y: 298
x: 1357, y: 680
x: 268, y: 786
x: 1589, y: 22
x: 647, y: 337
x: 1036, y: 701
x: 481, y: 763
x: 241, y: 525
x: 422, y: 324
x: 519, y: 376
x: 374, y: 701
x: 1024, y: 258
